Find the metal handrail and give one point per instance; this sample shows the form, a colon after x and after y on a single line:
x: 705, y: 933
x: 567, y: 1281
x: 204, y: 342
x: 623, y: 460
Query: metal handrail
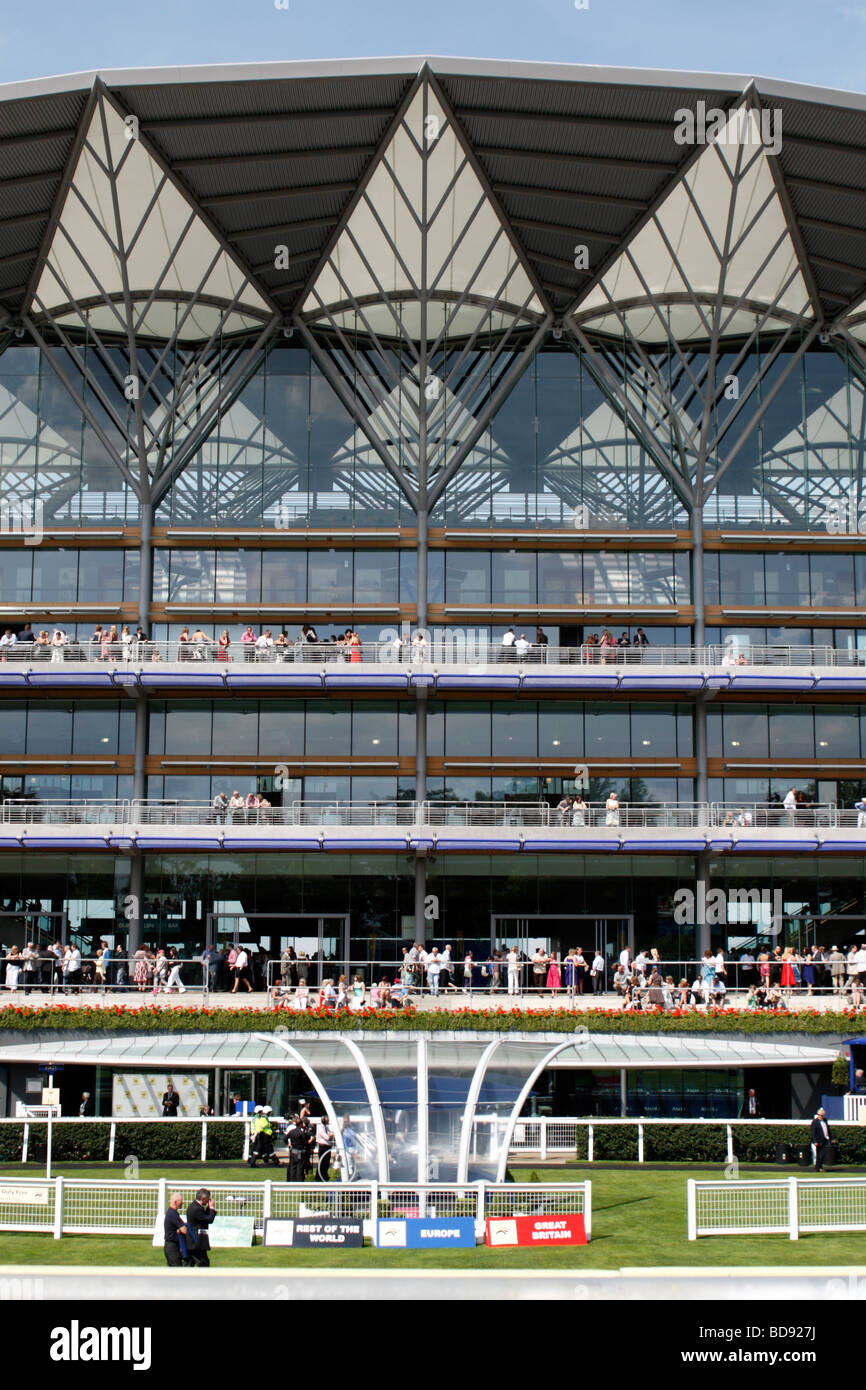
x: 665, y: 815
x: 458, y: 646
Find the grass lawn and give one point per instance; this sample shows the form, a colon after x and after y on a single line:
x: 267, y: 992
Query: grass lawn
x: 638, y: 1219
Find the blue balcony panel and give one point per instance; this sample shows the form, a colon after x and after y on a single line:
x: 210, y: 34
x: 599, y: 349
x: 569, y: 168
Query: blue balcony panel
x: 344, y: 680
x: 481, y: 846
x: 285, y: 679
x: 68, y: 842
x: 855, y: 684
x: 842, y: 847
x: 16, y: 678
x: 775, y: 846
x: 718, y: 682
x: 187, y: 681
x: 570, y: 846
x: 299, y: 846
x: 179, y: 843
x: 664, y: 846
x: 587, y: 680
x: 393, y: 846
x: 667, y: 682
x: 506, y: 680
x: 771, y: 682
x: 70, y: 676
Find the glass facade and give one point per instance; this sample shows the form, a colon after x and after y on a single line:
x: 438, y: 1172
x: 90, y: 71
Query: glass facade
x: 558, y: 517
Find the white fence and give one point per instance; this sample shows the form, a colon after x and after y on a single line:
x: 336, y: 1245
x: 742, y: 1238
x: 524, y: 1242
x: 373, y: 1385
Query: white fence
x: 73, y: 1206
x: 776, y: 1206
x: 540, y: 1136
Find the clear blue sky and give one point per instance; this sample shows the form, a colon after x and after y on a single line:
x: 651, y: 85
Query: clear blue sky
x: 819, y: 41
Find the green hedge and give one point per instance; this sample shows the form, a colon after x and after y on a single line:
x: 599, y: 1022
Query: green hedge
x: 182, y: 1020
x: 149, y: 1143
x: 707, y: 1143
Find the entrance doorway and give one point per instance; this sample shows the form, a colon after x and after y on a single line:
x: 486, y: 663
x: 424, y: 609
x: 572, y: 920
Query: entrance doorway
x: 322, y: 938
x: 560, y: 931
x: 32, y: 924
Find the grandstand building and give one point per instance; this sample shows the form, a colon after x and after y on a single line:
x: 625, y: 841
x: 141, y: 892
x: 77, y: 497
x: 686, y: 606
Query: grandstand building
x: 444, y: 347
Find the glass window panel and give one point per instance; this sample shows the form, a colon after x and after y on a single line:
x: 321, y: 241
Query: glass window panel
x: 711, y: 582
x: 685, y: 731
x: 188, y: 728
x: 653, y: 731
x: 560, y: 729
x: 16, y: 575
x: 605, y: 578
x: 515, y: 730
x: 791, y: 732
x: 238, y: 576
x: 467, y: 576
x: 513, y: 577
x: 160, y: 575
x: 745, y: 730
x: 192, y: 575
x: 49, y: 728
x: 436, y: 730
x: 328, y: 729
x: 100, y: 576
x: 374, y: 729
x: 131, y: 574
x: 606, y: 729
x: 95, y: 727
x: 12, y: 728
x: 435, y: 576
x: 376, y: 576
x: 467, y: 728
x: 55, y: 574
x: 741, y: 579
x: 126, y: 734
x: 284, y: 576
x: 787, y: 578
x: 860, y: 579
x: 374, y: 788
x: 330, y: 576
x: 837, y: 733
x: 281, y: 727
x: 652, y: 578
x: 560, y: 579
x: 832, y: 580
x: 236, y: 727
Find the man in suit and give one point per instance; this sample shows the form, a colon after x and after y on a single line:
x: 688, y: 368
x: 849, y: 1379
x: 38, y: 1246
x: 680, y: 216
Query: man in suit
x: 751, y: 1109
x: 199, y: 1215
x: 170, y: 1103
x: 820, y: 1138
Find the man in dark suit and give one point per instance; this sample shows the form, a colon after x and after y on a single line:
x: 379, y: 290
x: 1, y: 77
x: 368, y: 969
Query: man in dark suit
x: 199, y: 1215
x: 170, y: 1103
x: 751, y: 1109
x: 820, y: 1138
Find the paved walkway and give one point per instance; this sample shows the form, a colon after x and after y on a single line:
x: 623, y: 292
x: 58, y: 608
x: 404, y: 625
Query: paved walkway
x: 457, y: 999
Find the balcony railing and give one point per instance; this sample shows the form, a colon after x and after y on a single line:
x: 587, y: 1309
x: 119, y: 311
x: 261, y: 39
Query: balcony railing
x: 458, y: 648
x: 415, y: 814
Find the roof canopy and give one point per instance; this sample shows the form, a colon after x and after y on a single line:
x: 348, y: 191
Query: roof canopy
x: 556, y: 156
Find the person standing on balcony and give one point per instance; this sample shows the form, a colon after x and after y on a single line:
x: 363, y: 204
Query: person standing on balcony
x: 522, y: 647
x: 506, y: 647
x: 612, y: 808
x: 579, y: 809
x: 597, y: 973
x: 242, y: 971
x: 563, y: 810
x: 248, y: 642
x: 512, y: 961
x: 790, y: 805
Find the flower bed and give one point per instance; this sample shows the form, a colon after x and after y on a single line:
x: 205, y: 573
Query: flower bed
x: 121, y: 1018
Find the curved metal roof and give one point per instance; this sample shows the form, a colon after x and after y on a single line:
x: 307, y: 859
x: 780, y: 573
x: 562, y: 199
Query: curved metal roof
x: 567, y: 154
x: 391, y: 1050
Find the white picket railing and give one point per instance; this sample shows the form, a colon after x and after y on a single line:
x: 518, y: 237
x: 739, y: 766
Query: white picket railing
x: 775, y: 1206
x: 77, y: 1206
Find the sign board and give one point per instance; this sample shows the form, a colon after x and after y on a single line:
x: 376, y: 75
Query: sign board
x: 226, y: 1233
x: 50, y: 1095
x: 504, y: 1231
x: 139, y: 1094
x: 14, y: 1196
x: 427, y: 1232
x: 229, y: 1232
x: 311, y: 1233
x: 51, y: 1067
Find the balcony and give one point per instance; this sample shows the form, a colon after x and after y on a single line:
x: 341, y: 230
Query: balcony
x: 454, y: 664
x: 432, y: 827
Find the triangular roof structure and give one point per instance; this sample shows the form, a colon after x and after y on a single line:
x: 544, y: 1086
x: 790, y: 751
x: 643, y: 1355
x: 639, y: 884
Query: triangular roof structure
x: 172, y: 256
x: 721, y: 230
x: 424, y: 198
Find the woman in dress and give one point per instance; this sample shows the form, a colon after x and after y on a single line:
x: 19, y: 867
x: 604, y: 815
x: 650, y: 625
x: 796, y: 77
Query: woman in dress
x: 468, y: 967
x: 125, y: 643
x: 612, y: 808
x: 554, y: 980
x: 141, y: 974
x: 354, y: 644
x: 807, y: 973
x: 788, y: 977
x: 764, y: 969
x: 224, y: 647
x: 99, y: 968
x: 105, y: 646
x: 570, y: 972
x: 357, y: 993
x: 13, y: 968
x: 581, y: 969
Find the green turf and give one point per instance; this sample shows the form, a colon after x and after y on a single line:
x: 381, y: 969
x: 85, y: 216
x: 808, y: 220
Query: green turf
x: 639, y: 1219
